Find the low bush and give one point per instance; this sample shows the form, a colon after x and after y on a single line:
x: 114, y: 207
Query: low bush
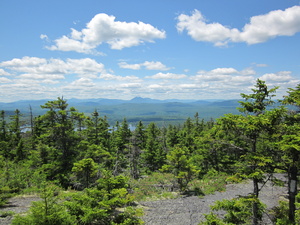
x: 155, y: 186
x: 164, y: 185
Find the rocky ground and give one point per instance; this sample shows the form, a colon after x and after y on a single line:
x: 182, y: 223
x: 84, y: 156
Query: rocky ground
x: 19, y: 204
x: 180, y: 211
x: 190, y: 210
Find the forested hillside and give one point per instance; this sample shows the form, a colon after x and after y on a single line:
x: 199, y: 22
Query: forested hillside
x: 161, y: 112
x: 89, y: 172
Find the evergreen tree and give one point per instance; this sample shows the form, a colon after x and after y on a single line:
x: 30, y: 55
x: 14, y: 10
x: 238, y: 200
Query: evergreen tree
x: 97, y: 131
x: 180, y: 163
x: 153, y: 154
x: 85, y: 171
x: 119, y: 146
x: 137, y: 143
x: 290, y: 144
x: 257, y: 125
x: 172, y: 135
x: 5, y: 148
x: 3, y: 128
x: 56, y: 129
x: 187, y: 135
x: 15, y: 142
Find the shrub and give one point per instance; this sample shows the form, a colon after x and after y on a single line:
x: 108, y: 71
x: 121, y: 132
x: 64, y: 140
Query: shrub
x: 238, y: 211
x: 281, y: 212
x: 47, y: 211
x: 157, y: 185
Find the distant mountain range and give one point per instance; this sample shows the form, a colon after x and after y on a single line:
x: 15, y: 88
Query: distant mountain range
x: 136, y: 109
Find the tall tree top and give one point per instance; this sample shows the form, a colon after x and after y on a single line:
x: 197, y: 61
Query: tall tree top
x: 260, y: 98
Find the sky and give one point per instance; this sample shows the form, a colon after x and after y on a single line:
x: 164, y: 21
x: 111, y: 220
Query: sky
x: 161, y: 49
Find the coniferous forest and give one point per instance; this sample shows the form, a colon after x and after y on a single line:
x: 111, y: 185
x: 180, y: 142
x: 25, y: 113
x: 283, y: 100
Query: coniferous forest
x: 88, y: 171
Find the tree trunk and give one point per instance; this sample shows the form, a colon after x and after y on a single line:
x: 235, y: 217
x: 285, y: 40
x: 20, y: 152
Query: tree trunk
x: 292, y: 185
x: 255, y: 204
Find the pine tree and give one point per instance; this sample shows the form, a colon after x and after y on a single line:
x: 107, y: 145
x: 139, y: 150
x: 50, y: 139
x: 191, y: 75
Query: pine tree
x: 258, y: 124
x: 154, y: 155
x: 56, y: 129
x: 290, y: 144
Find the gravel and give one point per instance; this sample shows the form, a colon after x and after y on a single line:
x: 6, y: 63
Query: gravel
x: 18, y: 205
x: 180, y: 211
x: 190, y: 210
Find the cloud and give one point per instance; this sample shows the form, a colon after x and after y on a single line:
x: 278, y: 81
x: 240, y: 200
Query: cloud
x: 108, y: 76
x: 104, y: 29
x: 5, y: 80
x: 260, y: 29
x: 248, y: 71
x: 42, y: 76
x: 4, y: 73
x: 226, y: 76
x: 167, y: 76
x: 125, y: 65
x: 148, y: 66
x: 37, y: 78
x: 131, y: 85
x: 33, y: 67
x: 44, y: 37
x: 261, y: 65
x: 222, y: 74
x: 26, y: 61
x: 82, y: 82
x: 85, y: 67
x: 283, y: 76
x: 199, y: 30
x: 155, y: 66
x: 224, y: 71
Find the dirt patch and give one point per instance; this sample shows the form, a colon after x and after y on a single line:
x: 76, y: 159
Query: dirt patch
x: 180, y: 211
x: 190, y: 210
x: 19, y: 204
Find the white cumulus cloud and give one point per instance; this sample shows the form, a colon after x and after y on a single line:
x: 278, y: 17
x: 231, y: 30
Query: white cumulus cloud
x: 167, y: 76
x: 4, y: 80
x: 104, y: 29
x: 283, y: 76
x: 260, y: 29
x: 4, y: 73
x: 155, y: 66
x: 125, y: 65
x: 152, y: 65
x: 33, y: 67
x: 108, y: 76
x: 86, y: 82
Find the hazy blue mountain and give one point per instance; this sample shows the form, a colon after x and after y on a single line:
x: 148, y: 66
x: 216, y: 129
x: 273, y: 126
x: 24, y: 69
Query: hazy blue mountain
x: 137, y: 109
x: 226, y: 103
x: 145, y: 100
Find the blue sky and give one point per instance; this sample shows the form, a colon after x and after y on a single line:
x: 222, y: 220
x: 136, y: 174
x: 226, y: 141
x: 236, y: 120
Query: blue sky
x: 163, y: 49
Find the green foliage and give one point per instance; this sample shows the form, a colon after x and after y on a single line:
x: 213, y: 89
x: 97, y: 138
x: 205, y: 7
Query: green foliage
x: 47, y: 211
x: 260, y: 98
x: 6, y: 193
x: 6, y: 213
x: 238, y: 211
x: 165, y: 185
x: 154, y: 186
x: 181, y: 165
x: 66, y: 147
x: 56, y: 129
x: 105, y: 204
x: 251, y: 131
x: 213, y: 219
x: 210, y: 183
x: 281, y: 213
x: 85, y: 171
x: 154, y: 154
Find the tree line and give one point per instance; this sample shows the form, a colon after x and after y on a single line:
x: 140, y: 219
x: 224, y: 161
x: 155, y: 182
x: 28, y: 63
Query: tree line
x: 84, y: 153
